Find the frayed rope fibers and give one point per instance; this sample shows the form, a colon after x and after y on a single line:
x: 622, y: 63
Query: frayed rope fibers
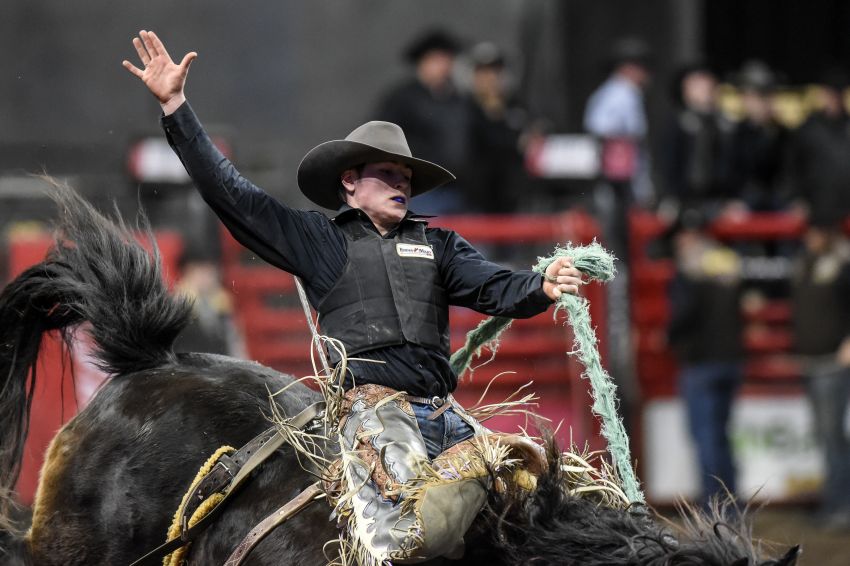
x: 595, y: 263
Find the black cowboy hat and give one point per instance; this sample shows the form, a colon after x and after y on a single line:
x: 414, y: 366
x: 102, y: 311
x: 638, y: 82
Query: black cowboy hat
x: 320, y: 170
x: 432, y: 40
x: 756, y: 75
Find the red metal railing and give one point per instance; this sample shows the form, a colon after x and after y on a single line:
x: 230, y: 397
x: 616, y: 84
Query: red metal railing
x: 767, y: 336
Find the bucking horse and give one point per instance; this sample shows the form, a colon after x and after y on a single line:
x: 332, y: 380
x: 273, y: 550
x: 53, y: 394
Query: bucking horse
x: 115, y: 474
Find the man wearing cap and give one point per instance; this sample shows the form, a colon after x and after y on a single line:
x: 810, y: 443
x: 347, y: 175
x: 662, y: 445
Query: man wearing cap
x: 435, y: 117
x: 381, y: 281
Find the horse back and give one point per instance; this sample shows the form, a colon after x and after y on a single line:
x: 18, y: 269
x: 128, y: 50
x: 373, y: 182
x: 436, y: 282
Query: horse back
x: 115, y: 474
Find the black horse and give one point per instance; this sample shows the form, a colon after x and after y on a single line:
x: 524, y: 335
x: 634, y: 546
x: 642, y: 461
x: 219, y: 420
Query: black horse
x: 115, y: 474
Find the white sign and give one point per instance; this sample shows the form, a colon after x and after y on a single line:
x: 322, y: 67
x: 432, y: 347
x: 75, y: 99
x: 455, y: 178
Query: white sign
x: 772, y: 441
x: 565, y: 156
x: 152, y: 160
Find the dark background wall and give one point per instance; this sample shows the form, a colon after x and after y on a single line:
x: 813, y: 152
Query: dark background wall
x: 275, y: 78
x: 800, y: 38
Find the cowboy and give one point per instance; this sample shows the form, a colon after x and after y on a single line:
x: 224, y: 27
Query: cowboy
x: 381, y: 281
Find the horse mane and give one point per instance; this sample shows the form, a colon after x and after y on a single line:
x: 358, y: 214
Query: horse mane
x: 550, y: 526
x: 95, y: 272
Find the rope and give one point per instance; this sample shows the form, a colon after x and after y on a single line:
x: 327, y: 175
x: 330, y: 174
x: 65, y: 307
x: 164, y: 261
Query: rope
x: 317, y: 341
x: 176, y: 558
x: 596, y: 263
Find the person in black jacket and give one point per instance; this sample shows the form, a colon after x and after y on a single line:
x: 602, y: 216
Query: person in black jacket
x: 820, y: 301
x: 705, y: 335
x: 381, y: 281
x: 500, y: 131
x: 435, y: 116
x: 696, y: 154
x: 820, y: 170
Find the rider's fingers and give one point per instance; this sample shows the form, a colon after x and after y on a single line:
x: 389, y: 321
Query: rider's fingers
x: 573, y: 281
x: 133, y: 69
x: 570, y: 289
x: 570, y: 271
x: 158, y: 45
x: 187, y: 60
x: 149, y: 44
x: 140, y: 49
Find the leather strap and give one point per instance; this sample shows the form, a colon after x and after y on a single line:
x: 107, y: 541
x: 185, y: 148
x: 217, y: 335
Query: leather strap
x: 258, y: 456
x: 442, y: 409
x: 223, y: 472
x: 441, y: 405
x: 267, y: 525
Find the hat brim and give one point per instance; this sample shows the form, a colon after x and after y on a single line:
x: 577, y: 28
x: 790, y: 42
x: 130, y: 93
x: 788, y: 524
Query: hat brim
x: 320, y: 170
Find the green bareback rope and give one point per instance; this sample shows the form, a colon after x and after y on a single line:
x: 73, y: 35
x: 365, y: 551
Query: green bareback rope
x: 596, y: 263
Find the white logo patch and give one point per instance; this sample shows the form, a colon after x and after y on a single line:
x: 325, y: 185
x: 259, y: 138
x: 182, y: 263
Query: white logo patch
x: 412, y: 250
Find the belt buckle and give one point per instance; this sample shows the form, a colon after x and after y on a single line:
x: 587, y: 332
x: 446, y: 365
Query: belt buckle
x: 437, y: 402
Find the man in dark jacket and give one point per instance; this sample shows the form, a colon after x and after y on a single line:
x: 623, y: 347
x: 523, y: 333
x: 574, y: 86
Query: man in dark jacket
x: 820, y: 301
x: 435, y: 117
x: 696, y: 148
x: 819, y: 165
x: 381, y: 281
x: 705, y: 334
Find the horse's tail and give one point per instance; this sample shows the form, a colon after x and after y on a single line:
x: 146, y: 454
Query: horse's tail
x: 96, y: 272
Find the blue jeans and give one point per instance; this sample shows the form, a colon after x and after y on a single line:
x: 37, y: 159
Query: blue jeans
x: 443, y: 432
x: 709, y: 389
x: 828, y: 387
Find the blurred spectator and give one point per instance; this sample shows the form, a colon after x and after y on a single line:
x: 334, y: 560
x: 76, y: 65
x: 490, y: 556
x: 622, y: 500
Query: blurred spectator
x: 819, y: 154
x: 615, y: 114
x: 759, y: 141
x: 821, y: 320
x: 615, y: 111
x: 705, y: 335
x: 499, y: 125
x: 696, y: 152
x: 435, y: 118
x: 212, y: 328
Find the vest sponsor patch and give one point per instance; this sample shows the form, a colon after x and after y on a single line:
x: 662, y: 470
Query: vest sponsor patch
x: 413, y: 250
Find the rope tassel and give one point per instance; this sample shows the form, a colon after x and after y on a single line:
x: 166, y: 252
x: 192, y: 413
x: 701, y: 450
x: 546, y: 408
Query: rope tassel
x: 597, y: 264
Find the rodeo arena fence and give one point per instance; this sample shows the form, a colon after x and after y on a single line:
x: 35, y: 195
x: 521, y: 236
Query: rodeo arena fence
x: 771, y: 425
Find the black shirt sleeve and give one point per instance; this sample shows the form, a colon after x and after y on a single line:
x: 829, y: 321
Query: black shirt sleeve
x: 304, y: 243
x: 474, y: 282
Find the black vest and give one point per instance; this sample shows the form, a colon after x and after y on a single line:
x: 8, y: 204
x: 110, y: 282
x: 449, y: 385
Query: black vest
x: 390, y: 292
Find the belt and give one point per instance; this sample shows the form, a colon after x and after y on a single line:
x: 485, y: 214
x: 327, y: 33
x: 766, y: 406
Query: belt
x: 439, y: 403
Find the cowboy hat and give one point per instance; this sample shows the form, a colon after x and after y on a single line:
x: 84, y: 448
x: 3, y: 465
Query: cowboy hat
x: 320, y: 170
x: 432, y: 40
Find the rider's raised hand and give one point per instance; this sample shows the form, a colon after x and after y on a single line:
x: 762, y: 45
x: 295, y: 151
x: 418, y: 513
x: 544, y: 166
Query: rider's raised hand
x: 163, y: 77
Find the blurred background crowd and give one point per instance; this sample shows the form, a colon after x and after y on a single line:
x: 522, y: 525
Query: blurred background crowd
x: 707, y: 143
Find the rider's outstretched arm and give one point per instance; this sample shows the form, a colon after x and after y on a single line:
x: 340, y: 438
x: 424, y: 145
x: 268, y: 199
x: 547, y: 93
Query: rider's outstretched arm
x: 287, y: 238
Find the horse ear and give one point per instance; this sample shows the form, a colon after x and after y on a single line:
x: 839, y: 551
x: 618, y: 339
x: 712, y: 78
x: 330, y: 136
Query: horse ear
x: 790, y: 557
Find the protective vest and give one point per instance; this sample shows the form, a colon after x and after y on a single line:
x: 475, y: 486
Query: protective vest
x: 389, y: 293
